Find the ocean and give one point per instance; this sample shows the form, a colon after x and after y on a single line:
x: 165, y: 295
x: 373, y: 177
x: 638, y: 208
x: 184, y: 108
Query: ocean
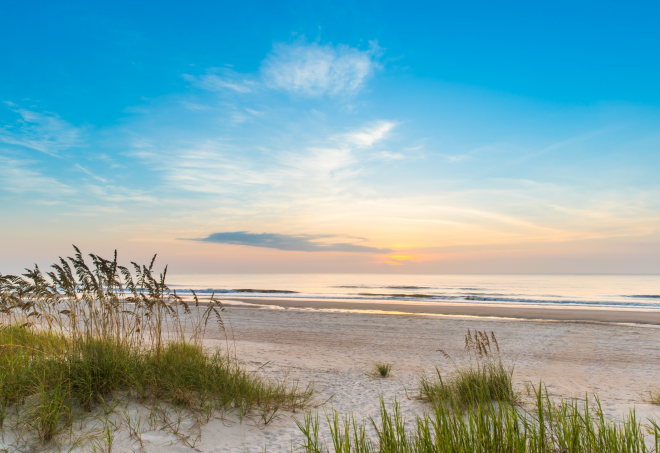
x: 641, y: 291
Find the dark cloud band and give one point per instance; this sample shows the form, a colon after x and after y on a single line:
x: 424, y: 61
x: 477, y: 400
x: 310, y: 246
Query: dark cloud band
x: 292, y: 243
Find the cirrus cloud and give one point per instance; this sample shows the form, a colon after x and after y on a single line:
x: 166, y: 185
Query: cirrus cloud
x: 301, y: 68
x: 41, y: 131
x: 311, y: 69
x: 228, y: 80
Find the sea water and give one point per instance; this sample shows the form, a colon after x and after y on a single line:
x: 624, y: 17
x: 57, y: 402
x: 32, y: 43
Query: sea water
x: 642, y: 291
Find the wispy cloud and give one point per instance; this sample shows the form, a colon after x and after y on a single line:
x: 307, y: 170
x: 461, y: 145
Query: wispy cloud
x: 17, y: 176
x: 311, y: 69
x: 41, y: 131
x: 366, y: 137
x: 302, y: 68
x: 230, y: 80
x: 89, y: 173
x: 292, y: 243
x: 119, y: 194
x: 216, y: 167
x: 388, y: 155
x: 219, y: 166
x: 194, y: 106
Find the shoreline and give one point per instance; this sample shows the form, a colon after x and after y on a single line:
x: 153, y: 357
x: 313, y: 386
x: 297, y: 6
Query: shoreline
x: 336, y: 350
x: 523, y: 312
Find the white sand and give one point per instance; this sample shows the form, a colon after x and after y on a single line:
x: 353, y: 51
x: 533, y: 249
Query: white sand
x: 335, y: 349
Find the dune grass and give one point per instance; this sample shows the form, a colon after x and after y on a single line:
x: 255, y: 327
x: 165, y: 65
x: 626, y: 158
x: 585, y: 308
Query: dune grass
x: 383, y: 369
x: 75, y: 338
x: 476, y: 410
x: 568, y: 426
x: 651, y: 396
x: 484, y: 377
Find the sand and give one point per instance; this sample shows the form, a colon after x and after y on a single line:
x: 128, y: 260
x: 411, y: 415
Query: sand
x: 335, y: 350
x: 526, y: 311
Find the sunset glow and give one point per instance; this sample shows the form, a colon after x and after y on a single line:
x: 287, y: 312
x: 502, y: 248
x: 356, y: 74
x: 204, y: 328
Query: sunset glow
x: 319, y: 146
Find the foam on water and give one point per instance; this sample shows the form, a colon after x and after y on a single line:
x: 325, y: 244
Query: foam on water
x: 641, y: 291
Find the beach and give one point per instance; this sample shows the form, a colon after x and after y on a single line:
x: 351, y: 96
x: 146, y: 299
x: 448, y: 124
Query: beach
x: 336, y: 350
x: 519, y: 311
x: 332, y: 346
x: 330, y: 227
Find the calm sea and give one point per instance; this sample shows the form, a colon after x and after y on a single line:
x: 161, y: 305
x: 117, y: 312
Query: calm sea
x: 587, y: 290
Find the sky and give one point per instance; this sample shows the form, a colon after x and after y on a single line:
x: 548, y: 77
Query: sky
x: 332, y: 136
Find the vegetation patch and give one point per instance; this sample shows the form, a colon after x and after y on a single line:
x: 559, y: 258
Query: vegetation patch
x: 476, y: 410
x: 651, y: 396
x: 545, y: 427
x: 382, y: 369
x: 484, y: 378
x: 78, y: 337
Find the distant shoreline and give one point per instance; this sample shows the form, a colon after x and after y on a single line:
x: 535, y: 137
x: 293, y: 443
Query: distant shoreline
x: 529, y: 312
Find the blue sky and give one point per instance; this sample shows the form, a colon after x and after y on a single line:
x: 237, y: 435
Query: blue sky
x: 333, y: 136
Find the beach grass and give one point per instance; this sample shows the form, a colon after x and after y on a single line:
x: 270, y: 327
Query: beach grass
x: 383, y: 369
x: 483, y: 378
x: 484, y: 427
x: 75, y: 338
x: 651, y: 396
x: 475, y: 409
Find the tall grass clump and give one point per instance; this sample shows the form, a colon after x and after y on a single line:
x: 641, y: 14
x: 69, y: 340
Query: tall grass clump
x: 77, y: 336
x: 382, y: 369
x: 475, y: 410
x: 651, y: 396
x: 484, y: 377
x: 484, y: 427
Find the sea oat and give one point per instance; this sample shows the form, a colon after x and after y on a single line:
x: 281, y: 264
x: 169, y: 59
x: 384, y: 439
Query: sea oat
x: 497, y: 346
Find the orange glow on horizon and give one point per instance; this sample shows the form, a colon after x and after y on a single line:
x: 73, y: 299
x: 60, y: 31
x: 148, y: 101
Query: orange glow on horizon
x: 399, y: 260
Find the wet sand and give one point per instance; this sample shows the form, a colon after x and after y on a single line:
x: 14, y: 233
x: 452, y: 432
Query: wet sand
x: 567, y: 313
